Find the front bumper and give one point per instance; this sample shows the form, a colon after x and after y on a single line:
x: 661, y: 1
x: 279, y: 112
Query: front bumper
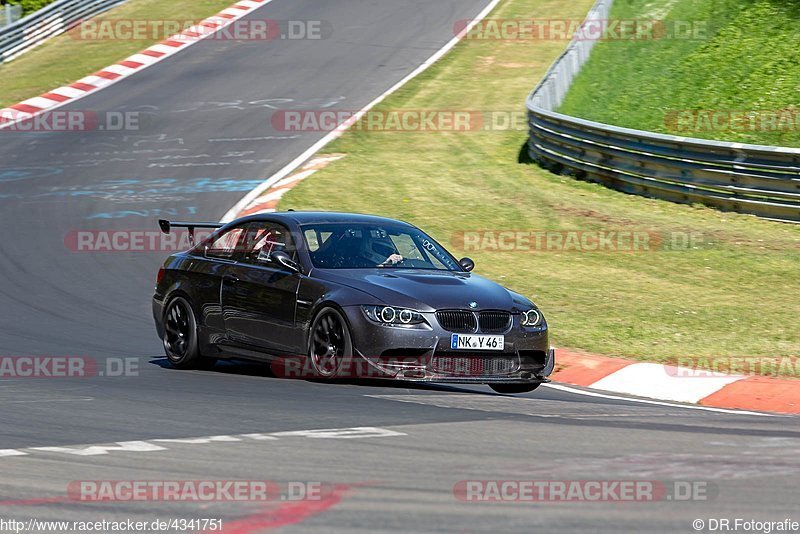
x: 424, y: 354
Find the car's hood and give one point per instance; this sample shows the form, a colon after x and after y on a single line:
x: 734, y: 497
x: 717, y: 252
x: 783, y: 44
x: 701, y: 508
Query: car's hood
x: 427, y: 290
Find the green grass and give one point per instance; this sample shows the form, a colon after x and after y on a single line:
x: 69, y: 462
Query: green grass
x: 65, y: 59
x: 749, y: 61
x: 736, y: 294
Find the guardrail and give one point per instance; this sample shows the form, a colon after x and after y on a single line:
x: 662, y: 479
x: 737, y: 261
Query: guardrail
x: 53, y: 19
x: 756, y: 179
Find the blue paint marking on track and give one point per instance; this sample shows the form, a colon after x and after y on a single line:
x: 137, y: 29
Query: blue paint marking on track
x: 25, y: 173
x: 155, y: 212
x: 154, y: 189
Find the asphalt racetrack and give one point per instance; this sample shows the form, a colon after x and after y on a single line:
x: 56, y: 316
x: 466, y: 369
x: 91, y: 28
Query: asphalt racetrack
x: 206, y: 139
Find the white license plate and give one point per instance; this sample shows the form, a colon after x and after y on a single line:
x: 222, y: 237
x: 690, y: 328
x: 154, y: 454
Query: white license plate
x: 467, y: 342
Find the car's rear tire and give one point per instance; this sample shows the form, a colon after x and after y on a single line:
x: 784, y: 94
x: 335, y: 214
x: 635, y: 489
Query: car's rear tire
x: 513, y: 389
x: 329, y: 343
x: 180, y: 337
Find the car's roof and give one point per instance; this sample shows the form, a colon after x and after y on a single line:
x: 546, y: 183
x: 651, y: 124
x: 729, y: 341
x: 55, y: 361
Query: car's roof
x: 320, y: 217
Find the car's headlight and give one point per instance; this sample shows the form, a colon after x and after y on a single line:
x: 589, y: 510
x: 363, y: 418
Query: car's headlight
x: 532, y: 317
x: 393, y: 316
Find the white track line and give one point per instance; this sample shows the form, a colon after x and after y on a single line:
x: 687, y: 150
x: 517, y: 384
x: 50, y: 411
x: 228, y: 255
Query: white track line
x: 165, y: 444
x: 299, y: 160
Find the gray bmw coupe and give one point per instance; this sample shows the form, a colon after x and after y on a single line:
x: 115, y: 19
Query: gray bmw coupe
x: 336, y: 295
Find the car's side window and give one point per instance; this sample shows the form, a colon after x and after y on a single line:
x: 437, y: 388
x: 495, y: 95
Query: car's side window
x: 264, y: 238
x: 316, y: 239
x: 224, y: 245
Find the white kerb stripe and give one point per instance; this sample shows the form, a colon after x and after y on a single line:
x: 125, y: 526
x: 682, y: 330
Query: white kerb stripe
x: 40, y: 102
x: 97, y: 81
x: 163, y: 49
x: 658, y: 382
x: 248, y: 3
x: 122, y: 70
x: 142, y: 58
x: 238, y: 13
x: 67, y: 91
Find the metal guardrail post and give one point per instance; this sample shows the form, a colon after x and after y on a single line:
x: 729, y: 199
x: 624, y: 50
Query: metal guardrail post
x: 10, y: 14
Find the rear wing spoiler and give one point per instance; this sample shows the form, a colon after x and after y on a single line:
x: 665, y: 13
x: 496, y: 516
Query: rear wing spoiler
x: 166, y: 226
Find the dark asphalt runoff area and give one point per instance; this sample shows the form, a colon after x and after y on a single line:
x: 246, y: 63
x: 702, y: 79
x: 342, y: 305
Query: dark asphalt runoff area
x: 402, y: 456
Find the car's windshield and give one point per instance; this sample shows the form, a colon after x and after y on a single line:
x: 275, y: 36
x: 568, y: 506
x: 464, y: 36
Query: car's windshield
x: 364, y: 246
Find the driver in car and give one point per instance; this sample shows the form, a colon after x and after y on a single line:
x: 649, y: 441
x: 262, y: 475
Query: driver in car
x: 394, y: 259
x: 377, y: 247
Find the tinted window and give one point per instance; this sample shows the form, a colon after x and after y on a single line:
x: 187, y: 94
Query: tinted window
x: 224, y: 245
x: 315, y: 239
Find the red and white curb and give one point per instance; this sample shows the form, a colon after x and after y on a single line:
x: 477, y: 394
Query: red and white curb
x: 679, y: 384
x: 268, y: 201
x: 112, y: 74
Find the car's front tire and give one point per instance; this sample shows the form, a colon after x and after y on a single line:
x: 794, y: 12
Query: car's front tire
x: 180, y: 337
x: 329, y: 343
x: 513, y: 389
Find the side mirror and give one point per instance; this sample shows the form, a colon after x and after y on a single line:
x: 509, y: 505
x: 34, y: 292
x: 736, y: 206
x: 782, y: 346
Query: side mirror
x: 467, y: 264
x: 284, y: 259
